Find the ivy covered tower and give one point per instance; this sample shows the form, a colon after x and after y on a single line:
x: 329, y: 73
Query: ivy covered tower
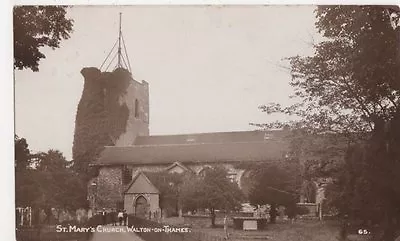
x: 113, y: 109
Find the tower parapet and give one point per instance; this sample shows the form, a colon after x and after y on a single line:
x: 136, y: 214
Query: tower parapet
x: 113, y: 110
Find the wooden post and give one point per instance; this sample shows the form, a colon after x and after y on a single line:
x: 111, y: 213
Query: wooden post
x: 30, y: 216
x: 320, y: 210
x: 22, y: 216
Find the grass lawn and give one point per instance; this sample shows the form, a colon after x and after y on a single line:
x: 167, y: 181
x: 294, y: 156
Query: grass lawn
x: 299, y: 231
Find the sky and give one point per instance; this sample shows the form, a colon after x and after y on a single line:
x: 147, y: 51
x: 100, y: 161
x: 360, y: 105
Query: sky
x: 208, y: 67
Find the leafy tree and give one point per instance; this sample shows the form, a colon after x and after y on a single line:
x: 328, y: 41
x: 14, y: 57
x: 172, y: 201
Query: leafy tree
x: 36, y: 27
x: 169, y: 185
x: 191, y: 191
x: 22, y: 154
x: 44, y: 181
x: 352, y: 79
x: 50, y: 161
x: 351, y: 86
x: 275, y: 186
x: 213, y: 191
x: 367, y: 189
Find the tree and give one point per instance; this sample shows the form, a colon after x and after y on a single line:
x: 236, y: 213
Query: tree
x: 169, y: 185
x: 214, y: 191
x: 22, y: 154
x: 50, y: 161
x: 275, y: 186
x: 351, y: 86
x: 352, y: 80
x: 45, y: 180
x: 36, y: 27
x: 367, y: 189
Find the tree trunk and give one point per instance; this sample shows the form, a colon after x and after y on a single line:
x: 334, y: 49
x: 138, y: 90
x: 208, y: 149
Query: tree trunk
x: 344, y: 228
x: 389, y: 228
x: 47, y: 211
x: 272, y: 213
x: 212, y: 217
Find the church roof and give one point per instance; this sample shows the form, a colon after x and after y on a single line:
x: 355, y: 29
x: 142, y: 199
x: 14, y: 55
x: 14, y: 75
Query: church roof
x: 208, y: 147
x: 213, y: 137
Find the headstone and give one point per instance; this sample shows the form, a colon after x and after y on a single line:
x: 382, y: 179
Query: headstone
x: 250, y: 225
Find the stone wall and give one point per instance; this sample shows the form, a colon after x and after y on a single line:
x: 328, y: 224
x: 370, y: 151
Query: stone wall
x: 137, y: 125
x: 109, y: 188
x: 106, y: 113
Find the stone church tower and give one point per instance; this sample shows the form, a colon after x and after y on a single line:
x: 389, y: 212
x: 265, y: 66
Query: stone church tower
x: 113, y: 110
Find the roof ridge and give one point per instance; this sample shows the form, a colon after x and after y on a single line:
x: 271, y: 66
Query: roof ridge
x: 195, y: 144
x: 202, y: 133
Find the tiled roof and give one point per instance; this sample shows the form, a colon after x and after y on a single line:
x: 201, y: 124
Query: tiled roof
x: 207, y: 152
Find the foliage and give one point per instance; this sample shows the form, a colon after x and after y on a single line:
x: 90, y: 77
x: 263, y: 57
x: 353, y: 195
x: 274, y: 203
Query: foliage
x: 22, y: 153
x: 46, y: 181
x: 275, y: 185
x: 36, y: 27
x: 367, y: 189
x: 352, y: 79
x: 100, y: 118
x: 351, y: 86
x: 293, y: 210
x: 213, y: 191
x: 169, y: 185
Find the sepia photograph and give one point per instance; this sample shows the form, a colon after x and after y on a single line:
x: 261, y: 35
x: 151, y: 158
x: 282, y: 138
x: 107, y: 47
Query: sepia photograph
x: 206, y: 122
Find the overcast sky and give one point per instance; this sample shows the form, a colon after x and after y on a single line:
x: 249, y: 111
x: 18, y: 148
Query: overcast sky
x: 208, y: 68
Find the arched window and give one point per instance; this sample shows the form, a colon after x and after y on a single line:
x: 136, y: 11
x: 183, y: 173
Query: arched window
x: 136, y: 108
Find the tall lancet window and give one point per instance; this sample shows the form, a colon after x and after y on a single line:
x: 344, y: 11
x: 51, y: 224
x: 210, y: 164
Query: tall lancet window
x: 136, y: 108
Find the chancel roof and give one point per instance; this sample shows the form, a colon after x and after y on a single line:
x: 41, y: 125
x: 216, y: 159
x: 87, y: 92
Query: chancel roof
x: 204, y: 147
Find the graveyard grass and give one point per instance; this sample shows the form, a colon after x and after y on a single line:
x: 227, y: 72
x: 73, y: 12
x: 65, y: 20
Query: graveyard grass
x: 298, y: 231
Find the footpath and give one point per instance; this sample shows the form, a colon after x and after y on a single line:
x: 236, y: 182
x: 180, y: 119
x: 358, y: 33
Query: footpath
x: 117, y: 233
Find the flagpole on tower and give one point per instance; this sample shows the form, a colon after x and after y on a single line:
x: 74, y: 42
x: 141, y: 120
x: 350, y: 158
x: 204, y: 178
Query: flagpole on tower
x: 116, y: 55
x: 119, y: 41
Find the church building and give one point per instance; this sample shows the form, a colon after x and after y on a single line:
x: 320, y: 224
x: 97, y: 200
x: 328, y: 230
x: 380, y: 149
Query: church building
x: 121, y: 181
x: 112, y: 137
